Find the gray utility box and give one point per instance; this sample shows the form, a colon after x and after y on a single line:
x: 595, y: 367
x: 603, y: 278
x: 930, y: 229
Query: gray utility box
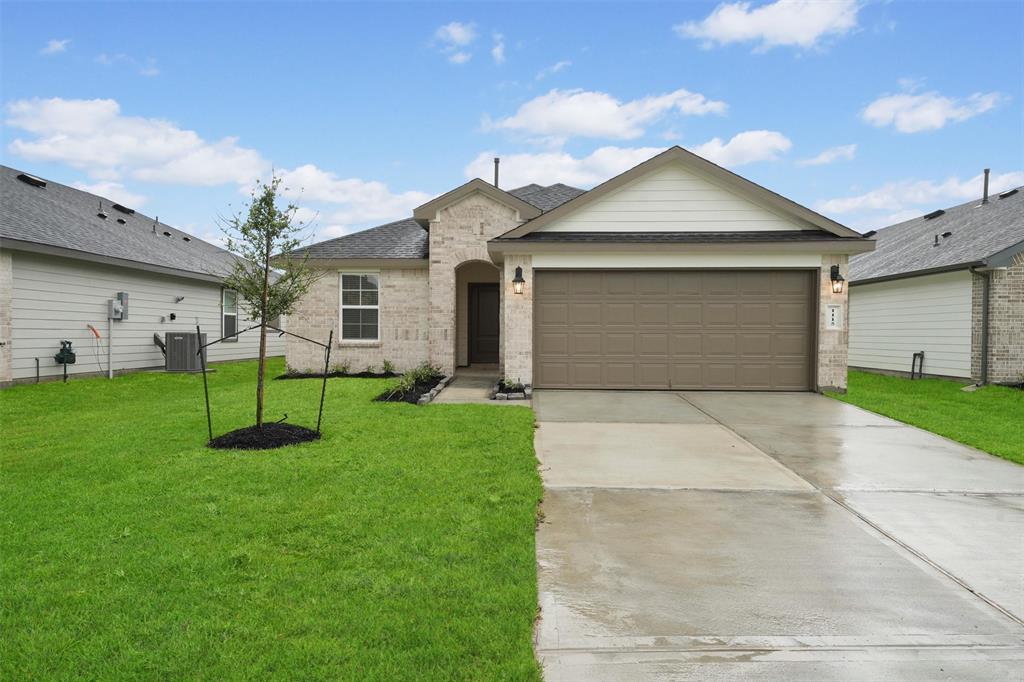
x: 181, y: 353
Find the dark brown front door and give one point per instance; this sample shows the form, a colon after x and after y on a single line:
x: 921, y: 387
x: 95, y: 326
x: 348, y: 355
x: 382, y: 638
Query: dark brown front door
x: 483, y: 323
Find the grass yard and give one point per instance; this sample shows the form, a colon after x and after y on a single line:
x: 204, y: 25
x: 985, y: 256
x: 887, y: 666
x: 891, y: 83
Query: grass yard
x: 400, y: 546
x: 990, y: 419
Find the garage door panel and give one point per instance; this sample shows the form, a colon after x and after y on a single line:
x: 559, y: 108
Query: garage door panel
x: 686, y: 314
x: 585, y: 313
x: 683, y: 329
x: 652, y: 344
x: 620, y: 344
x: 586, y: 344
x: 622, y: 314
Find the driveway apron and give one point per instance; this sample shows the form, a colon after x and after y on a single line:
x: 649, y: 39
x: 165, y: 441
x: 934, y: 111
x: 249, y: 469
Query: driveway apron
x: 770, y: 536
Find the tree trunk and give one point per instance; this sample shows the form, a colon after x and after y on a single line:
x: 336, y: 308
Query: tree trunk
x: 263, y: 338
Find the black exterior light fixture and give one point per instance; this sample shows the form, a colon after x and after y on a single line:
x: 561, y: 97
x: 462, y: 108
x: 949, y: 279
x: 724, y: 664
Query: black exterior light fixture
x: 837, y: 280
x: 518, y: 282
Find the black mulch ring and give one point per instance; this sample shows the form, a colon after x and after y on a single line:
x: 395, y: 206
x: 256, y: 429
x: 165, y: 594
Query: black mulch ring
x: 338, y: 375
x: 411, y: 396
x: 270, y: 436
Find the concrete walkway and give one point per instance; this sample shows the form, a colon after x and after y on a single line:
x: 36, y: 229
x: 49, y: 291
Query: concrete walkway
x: 771, y: 536
x: 473, y: 385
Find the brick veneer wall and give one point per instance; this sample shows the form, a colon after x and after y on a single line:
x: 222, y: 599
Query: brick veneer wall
x: 459, y: 235
x: 403, y: 324
x: 833, y: 344
x: 517, y: 321
x: 1006, y: 324
x: 6, y: 289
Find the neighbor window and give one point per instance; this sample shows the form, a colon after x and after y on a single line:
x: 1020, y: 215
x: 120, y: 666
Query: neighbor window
x: 359, y: 307
x: 229, y: 314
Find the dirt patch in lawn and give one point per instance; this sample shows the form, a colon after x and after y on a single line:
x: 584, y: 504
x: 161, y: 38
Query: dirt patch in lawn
x: 268, y: 437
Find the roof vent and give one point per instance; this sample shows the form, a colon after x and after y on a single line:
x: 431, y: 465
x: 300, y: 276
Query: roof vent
x: 32, y: 180
x: 947, y: 235
x: 933, y: 214
x: 166, y: 233
x: 124, y: 209
x: 1008, y: 193
x: 187, y: 239
x: 101, y: 214
x: 122, y: 221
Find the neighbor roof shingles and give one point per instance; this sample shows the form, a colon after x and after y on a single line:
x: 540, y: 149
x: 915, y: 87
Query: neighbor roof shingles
x: 978, y: 232
x: 65, y: 217
x: 546, y: 198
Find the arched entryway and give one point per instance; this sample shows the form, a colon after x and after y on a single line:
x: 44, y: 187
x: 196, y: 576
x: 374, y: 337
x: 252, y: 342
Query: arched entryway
x: 477, y: 314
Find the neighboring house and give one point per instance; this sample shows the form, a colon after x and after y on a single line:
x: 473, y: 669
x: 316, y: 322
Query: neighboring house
x: 61, y: 261
x: 950, y: 284
x: 675, y: 274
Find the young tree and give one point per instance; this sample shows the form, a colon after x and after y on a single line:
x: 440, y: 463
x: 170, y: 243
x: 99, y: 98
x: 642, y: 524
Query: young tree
x: 255, y: 236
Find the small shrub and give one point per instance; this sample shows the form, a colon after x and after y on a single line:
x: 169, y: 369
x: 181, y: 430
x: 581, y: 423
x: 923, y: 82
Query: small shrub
x: 371, y: 369
x: 388, y: 367
x: 342, y: 367
x: 506, y: 385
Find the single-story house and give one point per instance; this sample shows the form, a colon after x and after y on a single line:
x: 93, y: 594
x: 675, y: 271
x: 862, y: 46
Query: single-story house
x: 949, y: 284
x: 65, y: 254
x: 676, y: 274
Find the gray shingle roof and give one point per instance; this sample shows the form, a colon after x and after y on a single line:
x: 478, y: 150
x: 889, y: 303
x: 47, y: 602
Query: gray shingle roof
x: 978, y: 232
x: 408, y: 239
x: 546, y: 198
x: 65, y: 217
x: 679, y: 237
x: 401, y: 239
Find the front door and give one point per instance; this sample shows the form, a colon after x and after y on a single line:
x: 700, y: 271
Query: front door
x: 483, y: 323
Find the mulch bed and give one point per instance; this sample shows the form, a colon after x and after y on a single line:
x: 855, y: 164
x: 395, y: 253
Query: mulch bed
x: 270, y: 436
x: 339, y: 375
x: 411, y: 396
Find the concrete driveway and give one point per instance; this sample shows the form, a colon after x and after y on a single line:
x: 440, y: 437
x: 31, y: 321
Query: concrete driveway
x: 771, y: 536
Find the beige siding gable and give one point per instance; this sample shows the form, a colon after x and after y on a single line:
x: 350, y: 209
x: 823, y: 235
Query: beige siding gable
x: 673, y: 199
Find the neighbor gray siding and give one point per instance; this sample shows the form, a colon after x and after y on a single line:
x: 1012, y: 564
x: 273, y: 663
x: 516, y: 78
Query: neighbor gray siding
x: 890, y: 321
x: 53, y: 299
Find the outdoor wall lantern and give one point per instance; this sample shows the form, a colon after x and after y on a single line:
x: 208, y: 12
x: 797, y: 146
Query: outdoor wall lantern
x: 518, y: 282
x: 837, y: 280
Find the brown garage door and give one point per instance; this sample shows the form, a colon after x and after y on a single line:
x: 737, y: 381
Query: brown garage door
x: 678, y: 329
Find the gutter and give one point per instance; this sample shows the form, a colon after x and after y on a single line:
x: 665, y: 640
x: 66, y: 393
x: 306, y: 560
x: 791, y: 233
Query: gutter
x: 919, y: 273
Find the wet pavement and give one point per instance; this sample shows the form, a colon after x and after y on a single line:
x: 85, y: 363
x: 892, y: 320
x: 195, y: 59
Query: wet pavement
x: 771, y: 536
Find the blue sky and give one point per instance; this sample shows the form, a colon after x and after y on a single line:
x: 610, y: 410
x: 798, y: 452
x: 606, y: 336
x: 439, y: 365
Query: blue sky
x: 867, y: 111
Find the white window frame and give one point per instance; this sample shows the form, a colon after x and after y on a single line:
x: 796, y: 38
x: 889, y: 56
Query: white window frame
x: 342, y: 307
x: 224, y: 313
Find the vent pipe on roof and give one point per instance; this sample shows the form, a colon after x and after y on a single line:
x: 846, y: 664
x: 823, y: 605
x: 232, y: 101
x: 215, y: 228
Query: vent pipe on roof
x: 984, y: 196
x: 496, y: 162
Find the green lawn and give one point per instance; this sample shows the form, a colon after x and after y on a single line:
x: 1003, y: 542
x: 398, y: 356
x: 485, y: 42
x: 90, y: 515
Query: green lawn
x: 990, y: 419
x: 400, y: 546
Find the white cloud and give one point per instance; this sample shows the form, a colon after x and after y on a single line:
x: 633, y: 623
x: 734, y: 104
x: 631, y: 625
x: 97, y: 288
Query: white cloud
x: 498, y: 51
x: 93, y: 135
x: 928, y: 194
x: 795, y: 23
x: 114, y: 191
x: 453, y: 37
x: 551, y: 167
x: 583, y: 113
x: 746, y: 147
x: 144, y: 67
x: 361, y: 201
x: 55, y: 46
x: 911, y: 112
x: 553, y: 69
x: 456, y: 34
x: 844, y: 152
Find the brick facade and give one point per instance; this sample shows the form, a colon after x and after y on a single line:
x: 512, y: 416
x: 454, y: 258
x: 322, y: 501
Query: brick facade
x: 459, y: 235
x: 517, y: 321
x: 6, y: 289
x: 1006, y: 324
x: 403, y: 324
x: 833, y: 344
